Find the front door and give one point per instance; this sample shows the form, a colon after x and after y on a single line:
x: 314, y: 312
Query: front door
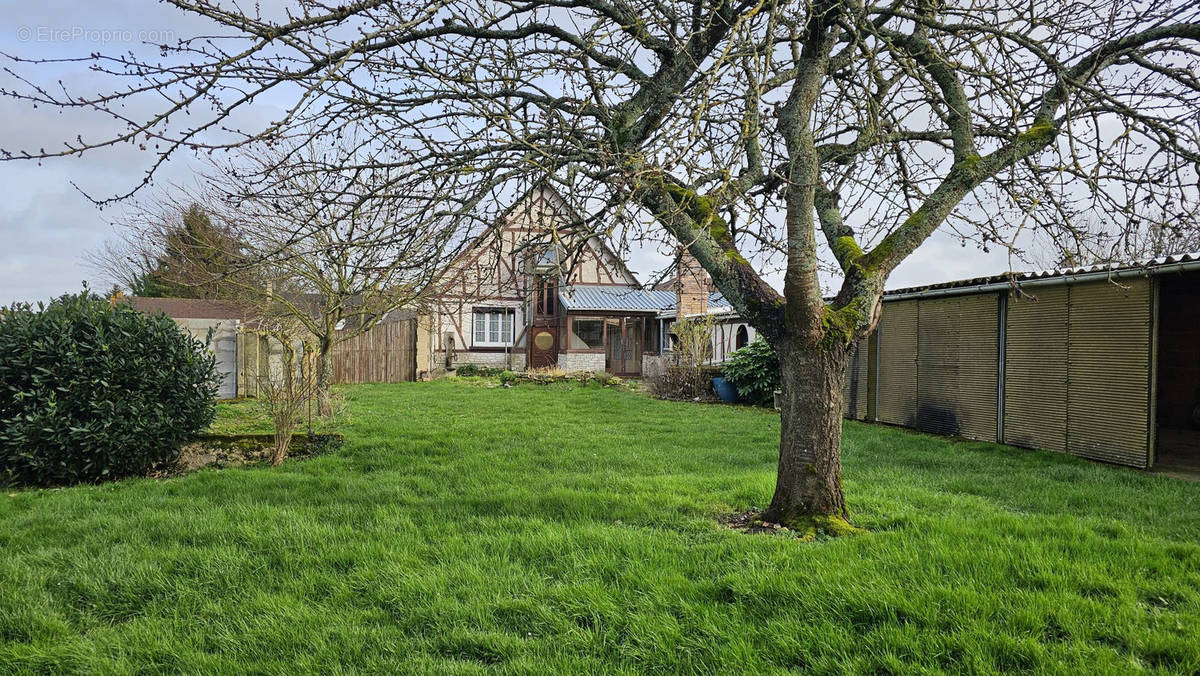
x: 543, y: 346
x: 623, y: 354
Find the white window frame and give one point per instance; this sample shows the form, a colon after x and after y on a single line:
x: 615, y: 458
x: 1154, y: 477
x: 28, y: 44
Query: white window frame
x: 497, y: 327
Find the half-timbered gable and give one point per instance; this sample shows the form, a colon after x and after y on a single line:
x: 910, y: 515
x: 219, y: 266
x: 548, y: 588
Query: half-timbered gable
x: 510, y: 278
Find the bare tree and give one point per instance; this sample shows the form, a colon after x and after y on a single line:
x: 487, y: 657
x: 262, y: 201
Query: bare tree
x: 287, y: 386
x: 752, y: 131
x: 339, y: 249
x: 317, y: 245
x: 178, y: 252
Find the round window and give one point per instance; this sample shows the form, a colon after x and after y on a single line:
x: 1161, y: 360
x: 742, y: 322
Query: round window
x: 544, y: 340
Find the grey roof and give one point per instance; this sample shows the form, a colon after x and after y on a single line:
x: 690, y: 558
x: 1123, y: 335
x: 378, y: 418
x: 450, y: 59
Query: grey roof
x: 1061, y: 275
x: 600, y: 297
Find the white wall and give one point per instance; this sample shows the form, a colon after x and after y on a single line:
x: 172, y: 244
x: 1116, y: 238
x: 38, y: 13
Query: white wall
x: 224, y: 346
x: 724, y: 337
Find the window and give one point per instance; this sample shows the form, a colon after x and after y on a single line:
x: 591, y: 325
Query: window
x: 493, y: 328
x: 587, y: 334
x: 544, y: 296
x: 742, y: 338
x: 652, y: 340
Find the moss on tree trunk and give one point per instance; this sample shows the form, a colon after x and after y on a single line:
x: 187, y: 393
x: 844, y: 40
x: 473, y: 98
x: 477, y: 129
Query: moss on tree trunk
x: 808, y: 488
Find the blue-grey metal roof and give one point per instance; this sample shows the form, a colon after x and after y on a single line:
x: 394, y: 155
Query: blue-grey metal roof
x: 599, y: 297
x: 1150, y: 266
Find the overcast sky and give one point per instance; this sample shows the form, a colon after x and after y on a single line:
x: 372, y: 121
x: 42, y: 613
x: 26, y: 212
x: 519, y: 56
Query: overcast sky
x: 47, y: 226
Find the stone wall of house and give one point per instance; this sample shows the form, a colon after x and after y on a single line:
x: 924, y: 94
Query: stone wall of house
x: 510, y: 361
x: 427, y: 365
x: 581, y: 361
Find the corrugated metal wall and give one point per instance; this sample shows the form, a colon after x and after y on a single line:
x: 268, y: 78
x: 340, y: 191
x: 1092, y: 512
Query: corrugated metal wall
x: 858, y: 387
x: 1035, y: 369
x: 1076, y: 367
x: 897, y: 375
x: 1108, y: 389
x: 958, y: 365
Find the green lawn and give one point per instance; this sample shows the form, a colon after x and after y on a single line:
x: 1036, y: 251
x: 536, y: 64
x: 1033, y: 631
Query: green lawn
x: 574, y: 529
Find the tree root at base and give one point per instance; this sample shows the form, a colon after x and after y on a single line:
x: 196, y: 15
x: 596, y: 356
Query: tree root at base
x: 805, y: 528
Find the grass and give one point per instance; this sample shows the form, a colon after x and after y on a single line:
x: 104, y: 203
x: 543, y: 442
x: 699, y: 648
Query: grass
x: 250, y: 416
x: 573, y: 529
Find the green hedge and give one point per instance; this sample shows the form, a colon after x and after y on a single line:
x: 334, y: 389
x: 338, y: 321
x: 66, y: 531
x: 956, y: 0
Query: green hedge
x: 91, y: 391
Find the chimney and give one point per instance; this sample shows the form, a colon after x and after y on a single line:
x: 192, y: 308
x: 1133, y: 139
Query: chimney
x: 691, y: 286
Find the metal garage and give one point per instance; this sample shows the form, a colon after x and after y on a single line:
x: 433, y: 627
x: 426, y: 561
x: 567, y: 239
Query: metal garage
x: 1097, y: 362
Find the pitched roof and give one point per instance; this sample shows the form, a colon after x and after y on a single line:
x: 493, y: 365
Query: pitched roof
x: 607, y: 298
x: 187, y: 308
x: 549, y: 258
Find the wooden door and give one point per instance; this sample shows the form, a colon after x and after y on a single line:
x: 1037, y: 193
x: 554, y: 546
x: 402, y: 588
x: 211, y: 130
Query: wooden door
x: 543, y: 346
x: 623, y: 353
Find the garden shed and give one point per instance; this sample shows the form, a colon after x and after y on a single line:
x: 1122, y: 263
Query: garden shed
x: 205, y: 320
x: 1100, y: 362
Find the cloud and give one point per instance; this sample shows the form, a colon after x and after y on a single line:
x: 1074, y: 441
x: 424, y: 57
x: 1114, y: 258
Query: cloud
x: 46, y: 225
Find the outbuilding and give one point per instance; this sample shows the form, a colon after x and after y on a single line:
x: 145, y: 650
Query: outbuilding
x: 1101, y: 362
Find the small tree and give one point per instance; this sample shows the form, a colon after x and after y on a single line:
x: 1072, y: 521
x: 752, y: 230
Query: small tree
x: 693, y: 351
x: 287, y: 390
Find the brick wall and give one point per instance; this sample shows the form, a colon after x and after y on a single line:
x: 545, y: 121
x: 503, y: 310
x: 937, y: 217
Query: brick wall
x: 691, y: 286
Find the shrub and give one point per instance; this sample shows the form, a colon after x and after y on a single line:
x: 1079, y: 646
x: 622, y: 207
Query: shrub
x: 477, y: 370
x: 685, y: 383
x: 754, y: 370
x: 689, y: 377
x: 553, y: 374
x: 91, y: 390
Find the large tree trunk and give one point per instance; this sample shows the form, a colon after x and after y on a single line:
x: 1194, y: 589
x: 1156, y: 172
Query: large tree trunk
x: 808, y: 488
x: 324, y: 377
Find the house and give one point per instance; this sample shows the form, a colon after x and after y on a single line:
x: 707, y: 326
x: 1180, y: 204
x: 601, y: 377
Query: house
x: 529, y: 293
x: 532, y: 293
x: 1102, y: 362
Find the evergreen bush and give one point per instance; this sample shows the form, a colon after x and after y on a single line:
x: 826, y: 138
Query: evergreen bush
x: 754, y: 370
x: 92, y: 390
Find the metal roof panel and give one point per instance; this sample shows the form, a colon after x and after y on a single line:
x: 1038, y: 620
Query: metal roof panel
x: 600, y: 297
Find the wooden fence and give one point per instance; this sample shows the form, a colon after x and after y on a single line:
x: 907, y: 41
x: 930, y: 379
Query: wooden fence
x: 385, y: 354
